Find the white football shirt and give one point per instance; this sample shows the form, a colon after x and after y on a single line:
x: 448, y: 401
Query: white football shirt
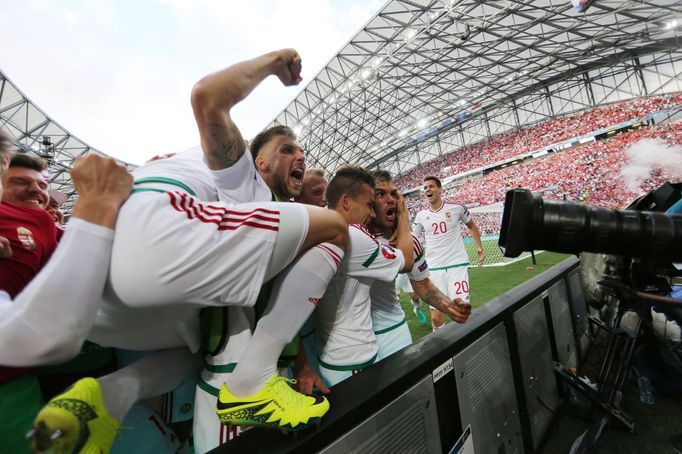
x: 443, y: 235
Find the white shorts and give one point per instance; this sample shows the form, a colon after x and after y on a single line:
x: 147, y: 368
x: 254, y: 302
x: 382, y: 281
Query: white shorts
x: 402, y: 283
x: 173, y: 254
x: 453, y: 282
x: 333, y: 375
x: 393, y: 340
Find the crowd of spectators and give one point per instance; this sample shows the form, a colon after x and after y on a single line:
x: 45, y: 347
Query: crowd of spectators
x: 590, y: 173
x: 528, y: 139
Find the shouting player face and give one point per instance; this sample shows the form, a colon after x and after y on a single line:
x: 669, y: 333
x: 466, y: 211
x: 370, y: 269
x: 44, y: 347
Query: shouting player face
x: 385, y: 206
x: 281, y: 163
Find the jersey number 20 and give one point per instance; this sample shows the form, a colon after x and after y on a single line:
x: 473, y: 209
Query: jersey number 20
x: 440, y: 227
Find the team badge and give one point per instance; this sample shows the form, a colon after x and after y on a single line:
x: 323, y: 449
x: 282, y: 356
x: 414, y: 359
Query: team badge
x: 448, y: 215
x: 26, y: 238
x: 423, y: 266
x: 388, y: 251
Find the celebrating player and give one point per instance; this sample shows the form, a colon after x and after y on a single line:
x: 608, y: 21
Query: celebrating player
x: 177, y: 248
x: 388, y: 317
x: 446, y: 254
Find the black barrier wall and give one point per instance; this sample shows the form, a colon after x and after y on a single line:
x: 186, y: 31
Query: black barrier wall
x: 491, y: 379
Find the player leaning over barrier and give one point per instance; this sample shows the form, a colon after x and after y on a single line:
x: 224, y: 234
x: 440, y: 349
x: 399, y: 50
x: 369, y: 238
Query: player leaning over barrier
x: 388, y: 317
x: 178, y: 249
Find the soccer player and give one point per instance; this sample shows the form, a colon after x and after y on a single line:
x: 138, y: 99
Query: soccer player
x: 344, y: 336
x: 233, y: 331
x: 178, y: 249
x: 313, y: 188
x: 446, y: 254
x: 388, y: 317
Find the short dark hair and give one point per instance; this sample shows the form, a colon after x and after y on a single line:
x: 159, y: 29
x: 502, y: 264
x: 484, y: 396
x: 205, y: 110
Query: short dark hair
x: 347, y: 180
x: 265, y: 136
x: 28, y: 161
x: 382, y: 175
x: 434, y: 179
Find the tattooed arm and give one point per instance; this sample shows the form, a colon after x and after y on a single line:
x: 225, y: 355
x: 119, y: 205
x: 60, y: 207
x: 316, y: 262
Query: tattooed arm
x: 214, y: 96
x: 456, y: 309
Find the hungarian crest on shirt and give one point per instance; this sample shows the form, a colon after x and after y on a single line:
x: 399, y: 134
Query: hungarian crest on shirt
x: 26, y: 238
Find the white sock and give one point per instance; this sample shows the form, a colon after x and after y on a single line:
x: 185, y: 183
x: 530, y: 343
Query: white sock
x: 416, y: 304
x: 151, y: 376
x: 296, y: 292
x: 435, y: 328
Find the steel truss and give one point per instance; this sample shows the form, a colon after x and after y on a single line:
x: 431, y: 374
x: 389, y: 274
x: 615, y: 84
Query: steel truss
x: 30, y: 127
x: 397, y: 94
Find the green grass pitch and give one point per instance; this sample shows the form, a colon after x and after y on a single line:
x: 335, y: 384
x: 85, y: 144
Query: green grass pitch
x: 486, y: 283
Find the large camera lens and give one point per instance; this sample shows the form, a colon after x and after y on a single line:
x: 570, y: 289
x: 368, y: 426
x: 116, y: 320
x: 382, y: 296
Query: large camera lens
x: 531, y: 223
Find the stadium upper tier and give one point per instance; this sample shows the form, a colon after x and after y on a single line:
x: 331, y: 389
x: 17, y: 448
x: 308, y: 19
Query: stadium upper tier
x: 424, y: 77
x: 518, y: 142
x: 591, y: 173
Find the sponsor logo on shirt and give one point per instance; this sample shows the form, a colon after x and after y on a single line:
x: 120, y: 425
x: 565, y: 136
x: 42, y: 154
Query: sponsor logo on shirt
x: 314, y: 301
x: 388, y: 251
x: 26, y: 238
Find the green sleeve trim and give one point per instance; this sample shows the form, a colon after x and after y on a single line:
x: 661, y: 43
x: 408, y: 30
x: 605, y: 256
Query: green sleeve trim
x: 419, y: 257
x: 148, y: 190
x: 165, y: 180
x: 372, y: 257
x: 208, y: 388
x: 391, y: 328
x: 221, y: 368
x: 448, y: 267
x: 350, y: 367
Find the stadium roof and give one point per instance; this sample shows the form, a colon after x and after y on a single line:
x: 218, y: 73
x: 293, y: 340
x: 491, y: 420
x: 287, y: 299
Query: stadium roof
x: 35, y: 132
x: 419, y: 66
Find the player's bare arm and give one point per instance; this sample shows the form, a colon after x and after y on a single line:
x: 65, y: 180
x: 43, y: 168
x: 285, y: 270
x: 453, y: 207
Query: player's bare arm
x: 476, y: 235
x: 403, y: 235
x: 214, y: 96
x: 456, y: 309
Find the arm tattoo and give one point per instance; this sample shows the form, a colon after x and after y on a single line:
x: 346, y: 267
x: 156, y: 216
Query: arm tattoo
x: 434, y: 298
x: 226, y: 146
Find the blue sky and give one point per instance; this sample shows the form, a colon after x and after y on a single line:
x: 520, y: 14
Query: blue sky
x: 118, y: 74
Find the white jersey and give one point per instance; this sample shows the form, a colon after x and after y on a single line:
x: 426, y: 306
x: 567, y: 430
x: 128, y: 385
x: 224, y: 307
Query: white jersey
x: 386, y: 309
x: 195, y: 272
x: 443, y: 235
x: 344, y: 332
x: 239, y: 183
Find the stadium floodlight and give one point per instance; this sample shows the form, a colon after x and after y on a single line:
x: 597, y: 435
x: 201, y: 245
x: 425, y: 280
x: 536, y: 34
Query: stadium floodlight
x: 402, y: 133
x: 409, y: 34
x: 298, y: 130
x: 423, y: 122
x: 365, y: 74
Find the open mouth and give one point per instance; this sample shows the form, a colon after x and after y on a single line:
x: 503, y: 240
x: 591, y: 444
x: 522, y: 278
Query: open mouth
x: 297, y: 176
x: 390, y: 214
